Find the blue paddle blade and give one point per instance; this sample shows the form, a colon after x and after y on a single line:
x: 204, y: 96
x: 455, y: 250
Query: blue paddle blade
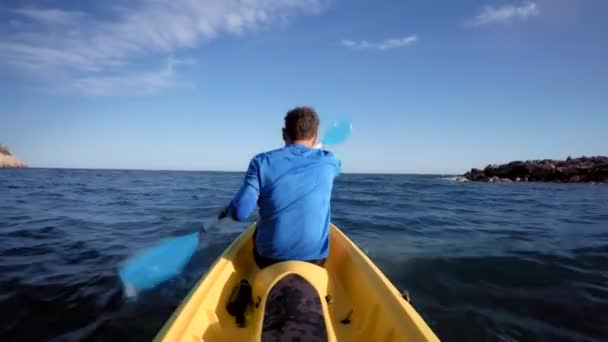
x: 157, y: 264
x: 338, y: 132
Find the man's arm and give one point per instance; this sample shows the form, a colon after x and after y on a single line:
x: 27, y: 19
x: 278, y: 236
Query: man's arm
x: 338, y: 167
x: 335, y: 162
x: 246, y: 199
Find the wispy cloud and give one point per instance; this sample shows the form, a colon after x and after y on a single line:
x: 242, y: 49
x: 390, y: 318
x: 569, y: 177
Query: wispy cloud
x: 504, y: 14
x: 99, y: 52
x: 387, y: 44
x: 48, y: 15
x: 133, y: 83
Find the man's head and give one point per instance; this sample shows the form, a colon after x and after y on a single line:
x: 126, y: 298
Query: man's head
x: 301, y: 126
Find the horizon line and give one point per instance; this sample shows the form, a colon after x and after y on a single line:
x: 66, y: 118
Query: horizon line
x: 226, y: 171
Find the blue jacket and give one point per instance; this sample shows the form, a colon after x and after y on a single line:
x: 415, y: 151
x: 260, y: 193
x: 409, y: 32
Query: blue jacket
x: 292, y: 187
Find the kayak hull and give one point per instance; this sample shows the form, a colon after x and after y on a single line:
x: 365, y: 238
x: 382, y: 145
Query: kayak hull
x: 358, y: 302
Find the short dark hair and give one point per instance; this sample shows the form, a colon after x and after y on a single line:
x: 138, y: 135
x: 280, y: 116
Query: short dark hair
x: 301, y: 123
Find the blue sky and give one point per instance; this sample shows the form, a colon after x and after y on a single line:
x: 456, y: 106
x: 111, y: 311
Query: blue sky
x: 431, y: 86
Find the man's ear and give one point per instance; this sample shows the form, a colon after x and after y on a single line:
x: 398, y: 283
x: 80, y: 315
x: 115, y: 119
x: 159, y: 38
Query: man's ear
x: 285, y: 138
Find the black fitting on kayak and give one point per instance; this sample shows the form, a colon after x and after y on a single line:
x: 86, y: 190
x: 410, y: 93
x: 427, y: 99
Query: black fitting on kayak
x: 406, y: 295
x: 347, y: 319
x: 329, y: 299
x: 240, y: 303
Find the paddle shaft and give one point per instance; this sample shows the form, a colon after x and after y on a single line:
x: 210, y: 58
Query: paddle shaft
x: 166, y: 259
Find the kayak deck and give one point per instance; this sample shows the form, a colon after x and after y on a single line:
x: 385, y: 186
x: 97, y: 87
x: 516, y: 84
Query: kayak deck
x: 358, y: 302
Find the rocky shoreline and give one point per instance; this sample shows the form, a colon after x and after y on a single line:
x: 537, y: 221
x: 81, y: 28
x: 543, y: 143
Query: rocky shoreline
x: 571, y: 170
x: 7, y: 160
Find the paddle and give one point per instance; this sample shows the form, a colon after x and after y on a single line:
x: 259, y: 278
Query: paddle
x: 167, y: 258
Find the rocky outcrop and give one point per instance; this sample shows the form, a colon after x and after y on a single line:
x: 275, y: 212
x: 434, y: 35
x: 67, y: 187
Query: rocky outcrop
x: 7, y: 160
x: 571, y: 170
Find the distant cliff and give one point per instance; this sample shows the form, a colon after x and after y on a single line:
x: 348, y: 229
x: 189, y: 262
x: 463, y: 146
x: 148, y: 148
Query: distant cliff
x: 8, y: 160
x: 571, y: 170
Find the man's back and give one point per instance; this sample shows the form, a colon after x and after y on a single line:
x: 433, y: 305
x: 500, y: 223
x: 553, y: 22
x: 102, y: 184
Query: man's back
x: 292, y: 187
x: 295, y: 192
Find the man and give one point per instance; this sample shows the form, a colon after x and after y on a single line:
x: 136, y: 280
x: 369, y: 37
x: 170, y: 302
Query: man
x: 292, y: 186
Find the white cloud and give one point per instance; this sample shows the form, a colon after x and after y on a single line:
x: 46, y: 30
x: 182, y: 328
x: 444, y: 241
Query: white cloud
x: 48, y: 15
x: 96, y: 52
x: 507, y: 13
x: 132, y: 83
x: 386, y: 44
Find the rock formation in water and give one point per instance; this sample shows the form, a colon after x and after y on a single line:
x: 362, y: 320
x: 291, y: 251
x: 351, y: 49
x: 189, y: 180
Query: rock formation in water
x: 571, y: 170
x: 8, y: 160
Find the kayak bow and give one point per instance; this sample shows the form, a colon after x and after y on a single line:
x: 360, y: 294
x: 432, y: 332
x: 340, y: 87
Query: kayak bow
x: 348, y: 300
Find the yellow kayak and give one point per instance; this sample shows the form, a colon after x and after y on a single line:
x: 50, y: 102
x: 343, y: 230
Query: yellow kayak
x: 348, y: 300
